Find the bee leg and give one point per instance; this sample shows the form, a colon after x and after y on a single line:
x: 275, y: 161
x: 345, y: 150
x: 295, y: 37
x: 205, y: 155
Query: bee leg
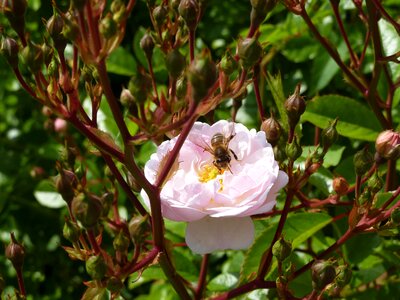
x: 234, y: 154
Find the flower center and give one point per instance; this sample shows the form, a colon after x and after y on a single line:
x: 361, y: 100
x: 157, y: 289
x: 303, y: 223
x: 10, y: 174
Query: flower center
x: 208, y: 172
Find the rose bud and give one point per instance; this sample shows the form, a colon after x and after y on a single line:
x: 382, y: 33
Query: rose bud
x: 362, y: 161
x: 71, y: 231
x: 160, y: 14
x: 343, y: 277
x: 87, y: 209
x: 202, y: 75
x: 15, y: 252
x: 60, y: 125
x: 322, y: 274
x: 228, y: 64
x: 96, y: 267
x: 32, y: 56
x: 107, y: 200
x: 54, y: 27
x: 66, y: 184
x: 272, y: 129
x: 121, y: 242
x: 47, y: 54
x: 249, y: 51
x: 340, y: 186
x: 147, y: 45
x: 295, y: 106
x: 114, y: 284
x: 9, y: 49
x: 71, y: 28
x: 108, y: 27
x: 126, y: 98
x: 395, y: 216
x: 189, y: 11
x: 181, y: 87
x: 175, y: 63
x: 14, y: 10
x: 137, y: 227
x: 375, y: 183
x: 329, y: 135
x: 282, y: 249
x: 388, y: 144
x: 293, y: 150
x: 139, y: 85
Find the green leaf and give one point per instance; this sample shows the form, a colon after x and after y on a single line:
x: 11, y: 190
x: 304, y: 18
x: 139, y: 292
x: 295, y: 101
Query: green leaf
x: 222, y: 282
x: 355, y: 120
x: 298, y: 228
x: 47, y: 196
x: 276, y: 87
x: 360, y: 246
x: 121, y: 62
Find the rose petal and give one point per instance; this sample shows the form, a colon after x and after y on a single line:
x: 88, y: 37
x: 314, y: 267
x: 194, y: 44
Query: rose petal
x: 211, y: 234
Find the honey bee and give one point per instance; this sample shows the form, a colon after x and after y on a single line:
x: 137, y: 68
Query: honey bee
x: 219, y: 148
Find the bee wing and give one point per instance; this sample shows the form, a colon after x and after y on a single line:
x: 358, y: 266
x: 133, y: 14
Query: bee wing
x: 231, y: 133
x: 204, y: 146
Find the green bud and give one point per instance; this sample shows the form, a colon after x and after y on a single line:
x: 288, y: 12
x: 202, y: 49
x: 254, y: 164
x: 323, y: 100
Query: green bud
x: 295, y: 106
x: 96, y: 267
x: 108, y: 27
x: 70, y: 29
x: 15, y: 252
x: 228, y: 63
x: 160, y: 14
x: 106, y: 200
x: 202, y: 75
x: 9, y: 49
x: 147, y: 45
x: 272, y: 129
x: 329, y: 135
x: 71, y: 231
x: 279, y: 153
x: 249, y: 51
x: 175, y: 63
x: 89, y: 73
x: 137, y: 227
x: 32, y: 56
x: 322, y: 274
x: 344, y: 275
x: 121, y: 242
x: 54, y: 27
x: 126, y: 98
x: 14, y: 10
x: 189, y: 11
x: 375, y: 183
x: 293, y: 150
x: 365, y: 197
x: 139, y: 85
x: 395, y: 216
x: 47, y: 54
x: 181, y: 87
x: 118, y: 10
x: 114, y: 284
x: 86, y: 209
x: 363, y: 161
x: 281, y: 249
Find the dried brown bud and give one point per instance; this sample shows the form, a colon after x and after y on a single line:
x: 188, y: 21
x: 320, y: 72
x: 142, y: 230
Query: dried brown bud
x: 66, y: 184
x: 15, y: 252
x: 272, y: 129
x: 249, y: 51
x: 388, y: 144
x: 340, y: 186
x: 9, y: 49
x: 189, y: 11
x: 295, y: 106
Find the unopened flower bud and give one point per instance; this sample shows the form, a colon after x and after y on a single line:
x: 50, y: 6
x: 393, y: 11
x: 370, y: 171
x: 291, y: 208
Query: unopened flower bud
x: 70, y: 29
x: 126, y: 98
x: 281, y: 249
x: 175, y: 63
x: 362, y: 161
x: 86, y: 209
x: 71, y: 231
x: 32, y: 56
x: 295, y: 106
x: 47, y: 54
x: 160, y: 14
x: 279, y: 153
x: 189, y: 11
x: 137, y: 227
x: 364, y: 198
x: 147, y: 45
x: 340, y: 186
x: 96, y: 267
x: 107, y: 200
x: 202, y: 75
x: 249, y: 51
x: 108, y: 27
x: 181, y: 87
x: 15, y: 252
x: 293, y: 150
x: 388, y: 144
x: 322, y: 274
x: 375, y: 183
x: 14, y: 10
x: 228, y: 64
x: 66, y: 184
x: 60, y: 125
x: 118, y: 10
x: 9, y: 49
x: 139, y: 85
x: 272, y: 129
x: 114, y: 284
x: 121, y: 242
x: 329, y: 135
x: 343, y: 277
x: 260, y: 9
x: 54, y: 27
x: 395, y: 216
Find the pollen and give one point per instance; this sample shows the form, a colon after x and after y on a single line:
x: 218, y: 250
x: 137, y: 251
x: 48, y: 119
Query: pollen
x: 207, y: 173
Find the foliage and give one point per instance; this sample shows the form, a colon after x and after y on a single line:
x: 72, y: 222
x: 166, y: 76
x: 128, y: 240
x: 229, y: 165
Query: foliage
x: 340, y: 208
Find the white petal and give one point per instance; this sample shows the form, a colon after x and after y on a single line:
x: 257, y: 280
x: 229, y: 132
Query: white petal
x: 211, y: 234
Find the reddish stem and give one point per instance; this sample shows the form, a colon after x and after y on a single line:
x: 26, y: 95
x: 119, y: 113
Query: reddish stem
x: 93, y: 242
x: 21, y: 283
x: 202, y: 278
x: 256, y: 75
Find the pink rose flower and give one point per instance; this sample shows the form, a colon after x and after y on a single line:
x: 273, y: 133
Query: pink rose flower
x: 218, y: 204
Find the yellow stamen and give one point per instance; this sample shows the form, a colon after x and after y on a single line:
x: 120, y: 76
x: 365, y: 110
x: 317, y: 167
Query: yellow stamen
x: 208, y: 172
